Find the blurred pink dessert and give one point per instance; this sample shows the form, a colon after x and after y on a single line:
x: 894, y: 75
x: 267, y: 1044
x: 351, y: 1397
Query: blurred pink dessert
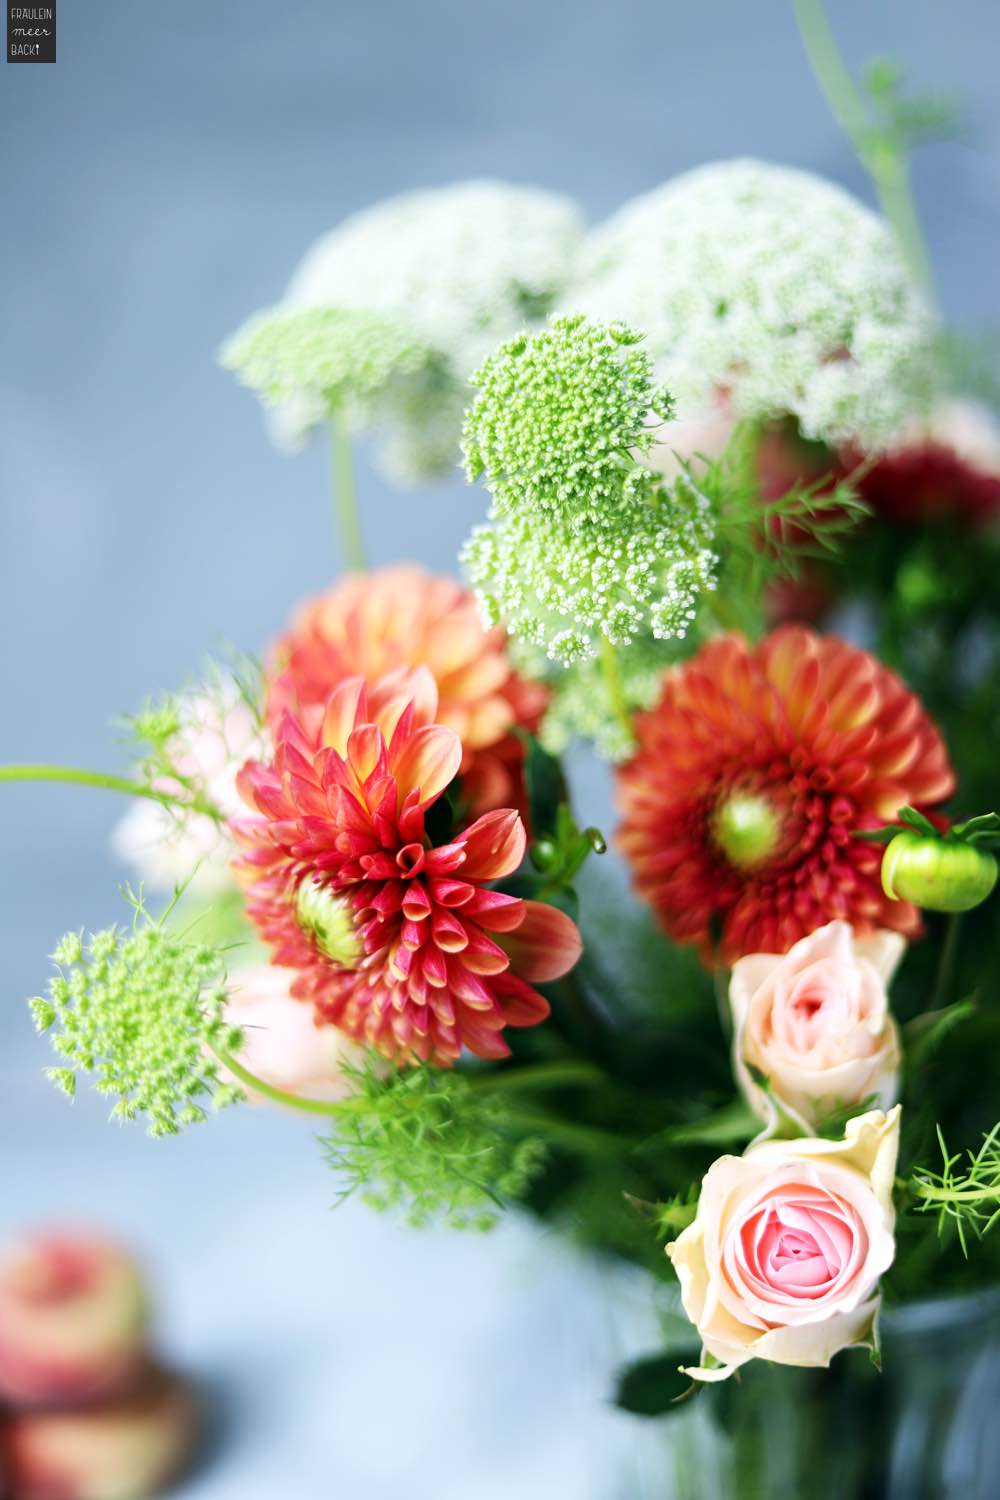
x: 127, y: 1448
x: 72, y: 1319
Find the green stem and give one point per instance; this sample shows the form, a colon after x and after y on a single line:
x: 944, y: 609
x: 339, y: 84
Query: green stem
x: 939, y: 1194
x: 881, y: 158
x: 561, y: 1074
x: 616, y: 691
x: 278, y: 1096
x: 588, y: 1138
x: 540, y: 1075
x: 946, y: 963
x: 345, y: 500
x: 72, y: 775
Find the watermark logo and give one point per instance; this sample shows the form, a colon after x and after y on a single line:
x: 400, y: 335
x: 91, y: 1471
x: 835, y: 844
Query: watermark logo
x: 31, y: 33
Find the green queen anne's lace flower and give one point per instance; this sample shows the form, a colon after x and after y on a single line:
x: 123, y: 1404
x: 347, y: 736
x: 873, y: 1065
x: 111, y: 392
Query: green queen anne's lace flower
x: 583, y: 540
x: 141, y: 1011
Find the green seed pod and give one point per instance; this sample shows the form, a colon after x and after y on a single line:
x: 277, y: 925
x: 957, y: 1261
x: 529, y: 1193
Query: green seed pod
x: 935, y: 873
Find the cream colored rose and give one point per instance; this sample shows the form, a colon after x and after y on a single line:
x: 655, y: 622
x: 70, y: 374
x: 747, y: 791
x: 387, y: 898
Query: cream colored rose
x: 817, y: 1022
x: 783, y: 1259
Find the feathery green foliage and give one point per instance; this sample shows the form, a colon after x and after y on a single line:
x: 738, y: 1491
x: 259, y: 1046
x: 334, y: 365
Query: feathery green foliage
x: 139, y: 1010
x: 966, y: 1191
x: 431, y: 1142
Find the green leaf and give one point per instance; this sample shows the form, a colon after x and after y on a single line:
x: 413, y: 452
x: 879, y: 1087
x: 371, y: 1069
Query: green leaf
x: 653, y: 1386
x: 984, y: 829
x: 876, y: 835
x: 924, y: 1034
x: 546, y: 786
x: 734, y: 1122
x: 916, y: 820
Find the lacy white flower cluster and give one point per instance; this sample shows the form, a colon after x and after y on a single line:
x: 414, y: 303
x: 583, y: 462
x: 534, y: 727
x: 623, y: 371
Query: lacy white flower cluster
x: 774, y: 287
x: 456, y: 269
x: 583, y: 541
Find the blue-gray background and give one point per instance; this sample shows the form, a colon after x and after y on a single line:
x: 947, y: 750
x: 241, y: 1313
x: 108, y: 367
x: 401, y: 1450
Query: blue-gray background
x: 159, y: 183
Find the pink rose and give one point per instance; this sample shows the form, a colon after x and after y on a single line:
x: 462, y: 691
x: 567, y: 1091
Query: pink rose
x: 783, y: 1259
x: 282, y: 1043
x: 816, y: 1021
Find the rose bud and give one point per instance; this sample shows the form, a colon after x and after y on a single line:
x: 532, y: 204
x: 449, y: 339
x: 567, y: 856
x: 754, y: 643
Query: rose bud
x: 783, y: 1259
x: 72, y: 1319
x: 816, y: 1021
x: 131, y: 1446
x: 937, y: 873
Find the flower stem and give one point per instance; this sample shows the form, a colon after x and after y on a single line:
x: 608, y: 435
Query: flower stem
x: 345, y: 499
x: 276, y: 1095
x: 879, y: 155
x: 616, y: 691
x: 537, y: 1076
x: 570, y: 1133
x: 193, y: 802
x: 946, y: 963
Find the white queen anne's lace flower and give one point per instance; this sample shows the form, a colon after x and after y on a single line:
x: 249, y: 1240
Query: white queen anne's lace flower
x: 454, y: 269
x: 773, y: 286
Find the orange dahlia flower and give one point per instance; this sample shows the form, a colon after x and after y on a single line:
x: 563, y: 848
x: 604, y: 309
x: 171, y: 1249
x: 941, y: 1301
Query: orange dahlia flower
x: 753, y: 772
x: 390, y: 932
x: 372, y: 623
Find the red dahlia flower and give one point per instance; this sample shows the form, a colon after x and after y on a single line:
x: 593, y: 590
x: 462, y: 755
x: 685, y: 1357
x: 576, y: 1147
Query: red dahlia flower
x: 752, y: 774
x: 373, y: 623
x: 392, y: 935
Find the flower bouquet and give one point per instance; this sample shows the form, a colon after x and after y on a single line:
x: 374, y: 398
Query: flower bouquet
x: 743, y: 528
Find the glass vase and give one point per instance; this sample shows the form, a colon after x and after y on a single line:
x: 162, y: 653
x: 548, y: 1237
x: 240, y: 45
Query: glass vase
x: 926, y: 1428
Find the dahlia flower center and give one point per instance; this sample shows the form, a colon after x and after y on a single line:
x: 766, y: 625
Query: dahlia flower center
x: 329, y: 920
x: 747, y: 828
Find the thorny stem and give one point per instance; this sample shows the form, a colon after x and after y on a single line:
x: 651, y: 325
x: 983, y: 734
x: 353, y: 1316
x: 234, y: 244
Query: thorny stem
x: 886, y: 164
x: 190, y: 802
x: 616, y: 691
x: 345, y: 499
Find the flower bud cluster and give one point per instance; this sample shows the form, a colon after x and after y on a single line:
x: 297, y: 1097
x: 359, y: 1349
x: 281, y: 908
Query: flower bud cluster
x: 141, y: 1010
x: 583, y: 540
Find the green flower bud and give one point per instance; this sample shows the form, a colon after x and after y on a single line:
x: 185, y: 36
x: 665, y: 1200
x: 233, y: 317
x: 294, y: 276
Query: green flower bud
x: 329, y: 921
x: 747, y: 828
x: 936, y: 873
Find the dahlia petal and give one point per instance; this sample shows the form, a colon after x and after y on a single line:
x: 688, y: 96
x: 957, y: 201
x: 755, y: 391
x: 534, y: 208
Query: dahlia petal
x: 545, y: 945
x: 344, y: 709
x: 449, y: 933
x: 495, y: 911
x: 428, y: 762
x: 494, y: 846
x: 483, y: 1040
x: 521, y: 1005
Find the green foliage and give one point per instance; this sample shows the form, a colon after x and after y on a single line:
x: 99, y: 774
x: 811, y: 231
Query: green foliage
x: 904, y: 118
x: 965, y: 1193
x: 140, y: 1010
x: 431, y: 1142
x: 655, y: 1386
x: 770, y: 537
x: 582, y: 707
